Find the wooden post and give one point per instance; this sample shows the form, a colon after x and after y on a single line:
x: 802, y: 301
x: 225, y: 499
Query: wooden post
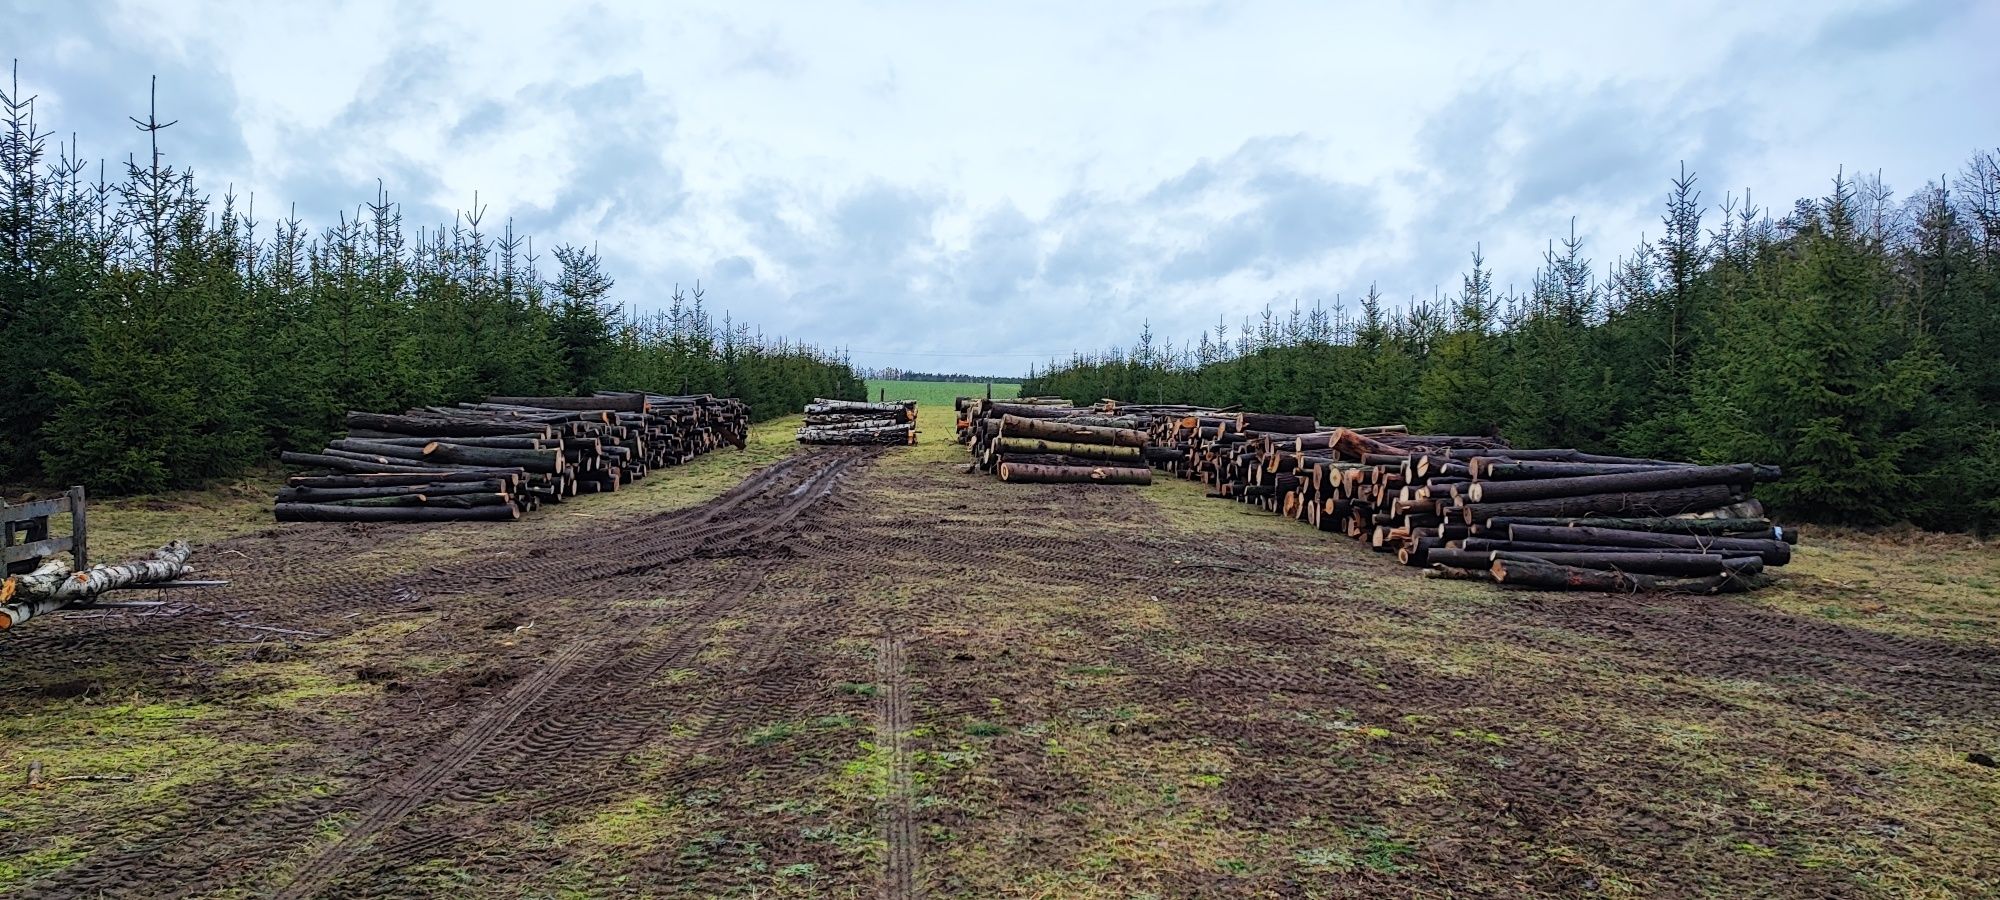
x: 78, y: 529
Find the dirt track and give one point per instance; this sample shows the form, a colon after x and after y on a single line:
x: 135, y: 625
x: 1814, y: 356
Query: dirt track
x: 865, y: 674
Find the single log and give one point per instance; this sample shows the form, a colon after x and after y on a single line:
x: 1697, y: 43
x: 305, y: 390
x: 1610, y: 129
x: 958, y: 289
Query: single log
x: 364, y: 465
x: 1079, y: 450
x: 902, y: 410
x: 327, y: 495
x: 1645, y: 503
x: 528, y: 460
x: 1745, y: 528
x: 1279, y: 424
x: 1488, y: 545
x: 440, y: 476
x: 1457, y: 559
x: 619, y: 403
x: 1044, y: 429
x: 843, y: 421
x: 321, y: 512
x: 52, y: 586
x: 1490, y: 469
x: 1774, y: 552
x: 1532, y: 573
x: 389, y: 451
x: 427, y: 426
x: 1074, y: 474
x: 503, y: 443
x: 1681, y: 564
x: 1651, y: 480
x: 900, y: 434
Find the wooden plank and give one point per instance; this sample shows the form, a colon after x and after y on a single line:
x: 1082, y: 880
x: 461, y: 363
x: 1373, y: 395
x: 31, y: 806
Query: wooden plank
x: 39, y: 509
x: 36, y: 550
x: 79, y: 531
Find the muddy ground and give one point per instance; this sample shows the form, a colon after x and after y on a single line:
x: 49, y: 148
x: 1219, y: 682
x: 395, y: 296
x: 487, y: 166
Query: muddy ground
x: 866, y: 673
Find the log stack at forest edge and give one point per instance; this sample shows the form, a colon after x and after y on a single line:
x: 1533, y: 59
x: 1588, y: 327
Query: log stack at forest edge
x: 496, y: 460
x: 970, y: 409
x: 1475, y: 507
x: 1042, y: 443
x: 858, y: 422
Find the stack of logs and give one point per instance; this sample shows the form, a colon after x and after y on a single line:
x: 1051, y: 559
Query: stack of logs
x: 969, y: 410
x: 855, y: 422
x: 1475, y: 507
x: 1048, y: 444
x: 495, y: 460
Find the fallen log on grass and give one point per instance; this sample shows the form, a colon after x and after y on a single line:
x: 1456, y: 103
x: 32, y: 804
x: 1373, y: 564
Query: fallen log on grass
x: 54, y: 585
x: 1026, y: 474
x: 1679, y: 564
x: 334, y: 512
x: 1533, y: 573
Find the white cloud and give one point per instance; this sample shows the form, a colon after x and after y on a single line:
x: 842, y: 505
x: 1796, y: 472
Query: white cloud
x: 1012, y: 181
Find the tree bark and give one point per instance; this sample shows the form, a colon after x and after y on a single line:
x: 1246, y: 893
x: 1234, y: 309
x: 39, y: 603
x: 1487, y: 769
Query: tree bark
x: 1529, y: 573
x: 53, y: 586
x: 1646, y: 503
x: 425, y: 426
x: 1678, y: 564
x: 321, y: 512
x: 1774, y: 552
x: 1074, y: 474
x: 621, y: 403
x: 1654, y: 480
x: 1278, y: 424
x: 1760, y: 529
x: 1012, y: 426
x: 1079, y: 450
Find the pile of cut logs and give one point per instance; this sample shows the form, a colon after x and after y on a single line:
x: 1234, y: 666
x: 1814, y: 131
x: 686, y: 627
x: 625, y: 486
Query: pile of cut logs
x: 970, y: 410
x: 1474, y: 507
x: 495, y: 460
x: 856, y: 422
x: 1047, y: 444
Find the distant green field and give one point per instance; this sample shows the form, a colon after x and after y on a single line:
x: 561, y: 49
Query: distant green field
x: 936, y: 393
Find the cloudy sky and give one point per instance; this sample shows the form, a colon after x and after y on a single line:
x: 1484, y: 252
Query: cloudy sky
x: 977, y: 187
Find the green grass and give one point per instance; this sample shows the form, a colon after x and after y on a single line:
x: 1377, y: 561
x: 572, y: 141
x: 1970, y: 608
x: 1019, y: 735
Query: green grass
x: 937, y: 393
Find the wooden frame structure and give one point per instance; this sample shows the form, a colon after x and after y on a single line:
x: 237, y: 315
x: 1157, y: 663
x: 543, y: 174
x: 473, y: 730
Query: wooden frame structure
x: 25, y: 537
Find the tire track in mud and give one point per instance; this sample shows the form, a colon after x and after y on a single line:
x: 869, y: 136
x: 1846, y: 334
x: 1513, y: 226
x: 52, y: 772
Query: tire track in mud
x: 899, y: 830
x: 623, y: 682
x: 588, y: 704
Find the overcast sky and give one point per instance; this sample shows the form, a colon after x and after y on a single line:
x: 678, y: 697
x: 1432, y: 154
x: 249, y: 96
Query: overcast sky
x: 977, y: 187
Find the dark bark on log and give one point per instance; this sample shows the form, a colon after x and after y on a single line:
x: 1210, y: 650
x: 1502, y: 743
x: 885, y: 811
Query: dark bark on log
x: 425, y: 426
x: 510, y: 476
x: 1074, y: 475
x: 1016, y: 426
x: 433, y: 489
x: 1010, y: 444
x: 1493, y: 470
x: 1648, y: 503
x: 319, y: 512
x: 1279, y: 424
x: 1487, y: 545
x: 1654, y: 480
x: 1760, y: 529
x: 1774, y: 552
x: 622, y: 403
x: 528, y: 460
x: 363, y: 465
x: 1528, y: 573
x: 1686, y: 565
x: 1458, y: 559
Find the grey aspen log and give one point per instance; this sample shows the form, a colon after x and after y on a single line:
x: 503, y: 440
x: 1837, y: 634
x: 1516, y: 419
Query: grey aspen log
x: 1678, y: 564
x: 1653, y: 480
x: 1743, y: 528
x: 1644, y: 503
x: 439, y: 476
x: 1081, y: 451
x: 1774, y: 552
x: 1043, y: 429
x: 321, y: 512
x: 528, y: 460
x: 898, y: 435
x: 424, y: 426
x: 1276, y: 423
x: 1500, y: 470
x: 1531, y: 573
x: 1021, y: 474
x: 845, y: 422
x: 619, y: 403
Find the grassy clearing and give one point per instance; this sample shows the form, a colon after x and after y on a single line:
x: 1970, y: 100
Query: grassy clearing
x: 937, y: 393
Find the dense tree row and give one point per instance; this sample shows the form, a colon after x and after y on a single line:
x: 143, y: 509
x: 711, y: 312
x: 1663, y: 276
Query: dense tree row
x: 151, y: 337
x: 892, y: 374
x: 1850, y: 339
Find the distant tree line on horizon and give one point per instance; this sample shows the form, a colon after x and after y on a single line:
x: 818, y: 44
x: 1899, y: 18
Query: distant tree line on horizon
x: 1853, y: 339
x: 893, y: 374
x: 152, y: 338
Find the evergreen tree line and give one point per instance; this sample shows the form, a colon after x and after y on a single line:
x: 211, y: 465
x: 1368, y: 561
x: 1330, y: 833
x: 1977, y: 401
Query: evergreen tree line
x: 152, y: 337
x: 1850, y: 338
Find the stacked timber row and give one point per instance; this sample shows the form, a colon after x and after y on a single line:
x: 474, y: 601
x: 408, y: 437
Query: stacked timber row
x: 495, y: 460
x: 1479, y: 508
x: 970, y: 409
x: 853, y: 422
x: 1078, y: 449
